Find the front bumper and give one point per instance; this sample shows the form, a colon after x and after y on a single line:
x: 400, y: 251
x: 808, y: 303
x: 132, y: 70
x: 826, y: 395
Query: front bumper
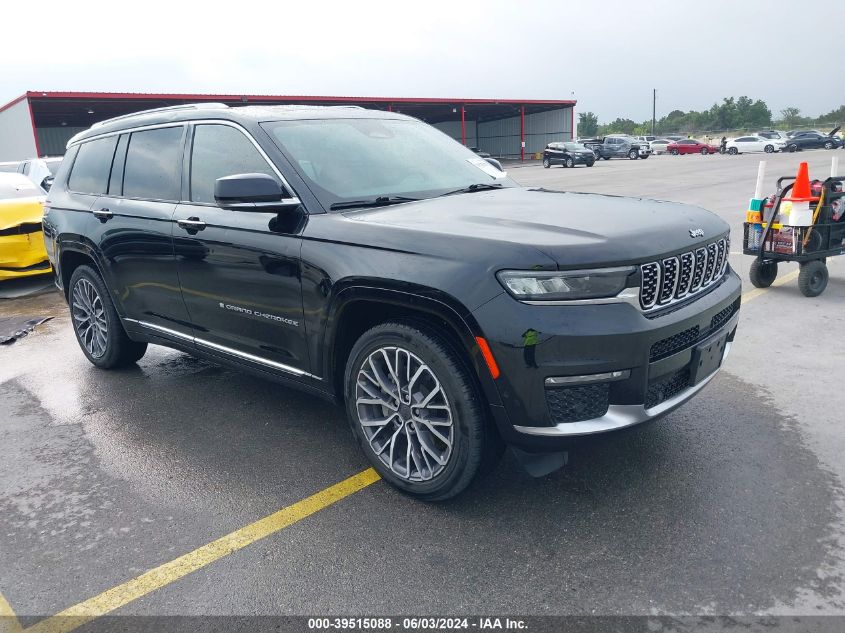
x: 22, y: 255
x: 532, y: 343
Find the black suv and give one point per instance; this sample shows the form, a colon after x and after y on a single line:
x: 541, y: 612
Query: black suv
x: 368, y: 258
x: 567, y: 154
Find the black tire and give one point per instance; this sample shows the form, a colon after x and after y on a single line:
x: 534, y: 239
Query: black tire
x: 568, y: 162
x: 828, y: 145
x: 633, y: 154
x: 793, y: 147
x: 644, y: 156
x: 769, y: 149
x: 606, y: 157
x: 546, y: 163
x: 590, y: 163
x: 733, y: 151
x: 675, y: 152
x: 118, y: 350
x: 476, y: 445
x: 704, y: 151
x: 763, y: 274
x: 812, y: 279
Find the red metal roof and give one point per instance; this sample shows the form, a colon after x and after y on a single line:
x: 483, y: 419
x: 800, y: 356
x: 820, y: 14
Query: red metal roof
x: 37, y: 94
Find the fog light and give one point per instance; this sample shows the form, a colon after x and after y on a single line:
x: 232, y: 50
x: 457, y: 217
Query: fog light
x: 609, y: 376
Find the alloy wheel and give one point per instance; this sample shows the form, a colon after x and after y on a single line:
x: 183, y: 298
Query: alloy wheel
x: 89, y: 318
x: 404, y: 413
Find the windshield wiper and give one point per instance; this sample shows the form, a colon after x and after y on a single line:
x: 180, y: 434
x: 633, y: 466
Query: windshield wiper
x: 479, y: 186
x: 379, y: 201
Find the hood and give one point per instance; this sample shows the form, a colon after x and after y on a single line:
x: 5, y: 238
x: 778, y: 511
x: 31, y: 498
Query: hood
x: 574, y: 229
x: 17, y: 211
x: 834, y: 130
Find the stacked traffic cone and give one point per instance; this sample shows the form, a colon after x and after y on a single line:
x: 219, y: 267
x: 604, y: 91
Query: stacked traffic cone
x: 795, y: 209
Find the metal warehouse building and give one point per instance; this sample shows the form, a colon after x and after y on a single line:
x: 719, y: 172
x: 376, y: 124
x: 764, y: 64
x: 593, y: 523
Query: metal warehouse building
x: 41, y: 123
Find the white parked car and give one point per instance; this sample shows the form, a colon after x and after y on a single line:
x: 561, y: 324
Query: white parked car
x: 747, y: 144
x: 658, y: 145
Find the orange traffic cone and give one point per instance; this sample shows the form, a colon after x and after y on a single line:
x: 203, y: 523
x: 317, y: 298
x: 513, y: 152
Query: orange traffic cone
x: 801, y: 188
x: 795, y: 208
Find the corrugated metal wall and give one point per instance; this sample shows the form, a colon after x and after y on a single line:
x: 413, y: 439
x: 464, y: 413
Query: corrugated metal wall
x: 16, y: 139
x: 502, y: 137
x: 453, y: 129
x: 52, y: 141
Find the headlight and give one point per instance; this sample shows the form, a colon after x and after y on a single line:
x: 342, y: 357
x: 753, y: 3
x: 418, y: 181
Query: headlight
x: 563, y: 285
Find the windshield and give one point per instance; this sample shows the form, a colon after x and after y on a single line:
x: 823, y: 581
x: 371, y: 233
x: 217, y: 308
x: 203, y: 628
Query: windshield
x: 345, y: 160
x: 575, y: 147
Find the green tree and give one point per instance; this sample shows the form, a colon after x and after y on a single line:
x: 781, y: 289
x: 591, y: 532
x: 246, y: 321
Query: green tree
x: 791, y: 116
x: 834, y: 116
x: 588, y: 124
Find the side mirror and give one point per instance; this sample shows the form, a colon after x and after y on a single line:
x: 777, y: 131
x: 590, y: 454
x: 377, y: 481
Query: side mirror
x: 251, y: 192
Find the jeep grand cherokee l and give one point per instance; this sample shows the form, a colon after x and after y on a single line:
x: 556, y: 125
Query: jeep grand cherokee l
x: 370, y: 259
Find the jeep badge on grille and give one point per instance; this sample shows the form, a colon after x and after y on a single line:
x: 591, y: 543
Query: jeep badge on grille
x: 696, y: 232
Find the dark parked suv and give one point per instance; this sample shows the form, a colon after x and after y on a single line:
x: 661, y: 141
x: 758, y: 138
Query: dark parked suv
x: 370, y: 259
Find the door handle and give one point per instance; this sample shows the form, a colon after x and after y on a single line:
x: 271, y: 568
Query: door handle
x: 103, y: 214
x: 191, y: 224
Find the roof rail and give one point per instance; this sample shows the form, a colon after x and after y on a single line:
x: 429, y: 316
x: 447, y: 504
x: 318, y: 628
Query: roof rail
x: 211, y: 105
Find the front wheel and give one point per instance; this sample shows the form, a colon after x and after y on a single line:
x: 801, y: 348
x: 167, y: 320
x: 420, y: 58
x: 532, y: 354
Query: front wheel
x: 590, y: 163
x: 569, y: 162
x: 675, y: 152
x: 793, y: 147
x: 644, y: 156
x: 828, y: 145
x: 96, y: 325
x: 704, y: 151
x: 416, y: 411
x: 733, y: 151
x: 812, y: 279
x: 547, y: 163
x: 633, y: 154
x: 769, y: 149
x: 763, y: 274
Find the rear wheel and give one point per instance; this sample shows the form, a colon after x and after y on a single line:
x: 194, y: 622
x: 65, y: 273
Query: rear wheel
x: 569, y: 162
x: 644, y: 156
x: 95, y: 322
x: 633, y: 154
x: 812, y: 279
x: 590, y: 163
x: 416, y: 411
x: 763, y: 274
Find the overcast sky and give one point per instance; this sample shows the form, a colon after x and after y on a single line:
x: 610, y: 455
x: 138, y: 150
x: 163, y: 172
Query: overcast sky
x: 608, y: 54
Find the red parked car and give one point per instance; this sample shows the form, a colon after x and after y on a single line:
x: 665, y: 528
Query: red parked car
x: 691, y: 146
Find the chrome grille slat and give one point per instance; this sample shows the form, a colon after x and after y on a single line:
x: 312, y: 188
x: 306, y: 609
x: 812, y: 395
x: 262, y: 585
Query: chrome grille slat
x: 674, y: 278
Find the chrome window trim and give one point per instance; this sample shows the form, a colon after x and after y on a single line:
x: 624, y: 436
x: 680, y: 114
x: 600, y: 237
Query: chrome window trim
x: 222, y: 348
x: 294, y: 199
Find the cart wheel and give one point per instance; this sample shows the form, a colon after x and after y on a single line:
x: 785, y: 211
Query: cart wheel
x: 763, y: 274
x: 812, y: 280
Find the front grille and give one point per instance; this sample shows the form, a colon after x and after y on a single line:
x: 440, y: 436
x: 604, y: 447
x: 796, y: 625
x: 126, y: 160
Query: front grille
x: 666, y: 387
x: 675, y: 278
x: 576, y: 404
x: 673, y: 344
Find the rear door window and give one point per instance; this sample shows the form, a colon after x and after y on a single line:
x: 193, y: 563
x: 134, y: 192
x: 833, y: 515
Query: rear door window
x: 153, y: 168
x: 90, y: 173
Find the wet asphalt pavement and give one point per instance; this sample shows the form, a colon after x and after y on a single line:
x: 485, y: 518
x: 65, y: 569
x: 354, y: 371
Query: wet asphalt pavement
x: 730, y: 505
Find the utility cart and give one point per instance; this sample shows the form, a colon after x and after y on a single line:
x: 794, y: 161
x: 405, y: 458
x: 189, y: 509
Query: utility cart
x: 773, y: 238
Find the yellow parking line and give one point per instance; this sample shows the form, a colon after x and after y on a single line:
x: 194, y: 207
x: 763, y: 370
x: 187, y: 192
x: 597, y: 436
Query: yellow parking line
x: 8, y: 620
x: 753, y: 294
x: 172, y: 571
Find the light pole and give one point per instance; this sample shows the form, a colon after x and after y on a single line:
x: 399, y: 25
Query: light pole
x: 653, y: 109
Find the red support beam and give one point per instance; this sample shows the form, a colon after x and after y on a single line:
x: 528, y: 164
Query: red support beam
x: 522, y: 132
x: 463, y: 125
